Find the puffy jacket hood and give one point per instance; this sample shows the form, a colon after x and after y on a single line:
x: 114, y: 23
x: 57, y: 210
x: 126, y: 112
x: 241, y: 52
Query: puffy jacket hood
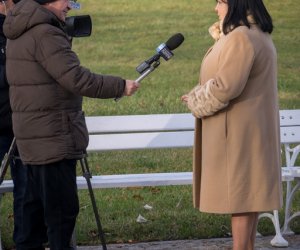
x: 24, y: 16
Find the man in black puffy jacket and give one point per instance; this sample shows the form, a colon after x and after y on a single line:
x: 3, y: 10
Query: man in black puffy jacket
x: 18, y: 171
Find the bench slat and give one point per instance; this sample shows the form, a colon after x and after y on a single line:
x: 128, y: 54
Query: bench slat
x: 148, y: 179
x: 137, y: 180
x: 290, y: 134
x: 140, y: 141
x: 162, y: 122
x: 164, y: 140
x: 289, y: 117
x: 139, y: 123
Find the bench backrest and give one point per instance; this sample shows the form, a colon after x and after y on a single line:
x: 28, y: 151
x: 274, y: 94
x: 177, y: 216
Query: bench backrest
x: 140, y: 132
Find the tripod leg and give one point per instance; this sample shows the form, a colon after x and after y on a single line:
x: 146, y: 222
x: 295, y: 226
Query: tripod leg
x: 87, y: 175
x: 1, y: 195
x: 73, y: 241
x: 6, y: 160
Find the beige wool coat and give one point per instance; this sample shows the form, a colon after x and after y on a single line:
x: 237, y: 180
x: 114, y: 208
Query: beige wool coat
x: 237, y: 137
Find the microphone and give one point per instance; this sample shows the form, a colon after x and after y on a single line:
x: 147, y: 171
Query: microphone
x: 164, y: 50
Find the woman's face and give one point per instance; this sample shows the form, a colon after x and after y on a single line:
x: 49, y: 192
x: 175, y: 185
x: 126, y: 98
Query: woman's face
x: 221, y: 8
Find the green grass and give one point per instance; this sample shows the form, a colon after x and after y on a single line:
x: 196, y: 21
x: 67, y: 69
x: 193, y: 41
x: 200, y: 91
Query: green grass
x: 125, y: 33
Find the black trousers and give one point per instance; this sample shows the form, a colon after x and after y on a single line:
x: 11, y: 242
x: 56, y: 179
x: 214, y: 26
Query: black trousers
x: 50, y: 206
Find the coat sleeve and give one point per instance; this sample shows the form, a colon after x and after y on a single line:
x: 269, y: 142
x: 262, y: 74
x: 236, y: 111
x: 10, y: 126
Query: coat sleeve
x: 234, y: 66
x: 202, y: 102
x: 62, y: 64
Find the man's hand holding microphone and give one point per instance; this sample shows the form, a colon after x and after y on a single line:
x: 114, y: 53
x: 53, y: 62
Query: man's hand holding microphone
x: 130, y: 87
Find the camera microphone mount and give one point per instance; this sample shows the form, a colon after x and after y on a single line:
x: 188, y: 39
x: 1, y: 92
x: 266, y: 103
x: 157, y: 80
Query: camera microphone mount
x: 145, y: 68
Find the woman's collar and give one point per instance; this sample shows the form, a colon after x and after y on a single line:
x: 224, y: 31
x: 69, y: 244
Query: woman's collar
x: 216, y: 30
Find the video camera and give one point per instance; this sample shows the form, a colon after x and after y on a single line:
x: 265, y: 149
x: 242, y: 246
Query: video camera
x: 78, y: 26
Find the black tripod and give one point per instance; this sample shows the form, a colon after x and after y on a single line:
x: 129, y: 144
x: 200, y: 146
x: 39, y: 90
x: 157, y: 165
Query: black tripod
x: 87, y: 175
x: 6, y: 160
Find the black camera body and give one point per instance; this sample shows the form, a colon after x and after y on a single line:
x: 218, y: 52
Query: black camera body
x: 78, y: 26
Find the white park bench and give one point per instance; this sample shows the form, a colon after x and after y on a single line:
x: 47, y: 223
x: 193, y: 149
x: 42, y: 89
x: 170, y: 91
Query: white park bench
x: 133, y: 132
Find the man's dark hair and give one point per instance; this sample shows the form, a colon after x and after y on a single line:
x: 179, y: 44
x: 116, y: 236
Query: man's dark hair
x: 16, y: 1
x: 238, y: 10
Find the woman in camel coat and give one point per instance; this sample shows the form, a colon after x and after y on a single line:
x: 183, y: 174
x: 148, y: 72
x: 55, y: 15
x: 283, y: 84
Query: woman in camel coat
x: 237, y: 140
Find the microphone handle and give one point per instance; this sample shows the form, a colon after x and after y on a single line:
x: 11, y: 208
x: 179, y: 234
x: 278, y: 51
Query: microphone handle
x: 147, y: 72
x: 142, y: 76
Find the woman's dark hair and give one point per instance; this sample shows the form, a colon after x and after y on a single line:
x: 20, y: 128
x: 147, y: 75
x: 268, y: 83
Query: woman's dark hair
x: 238, y: 10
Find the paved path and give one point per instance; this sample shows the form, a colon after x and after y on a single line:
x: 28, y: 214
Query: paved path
x: 262, y: 243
